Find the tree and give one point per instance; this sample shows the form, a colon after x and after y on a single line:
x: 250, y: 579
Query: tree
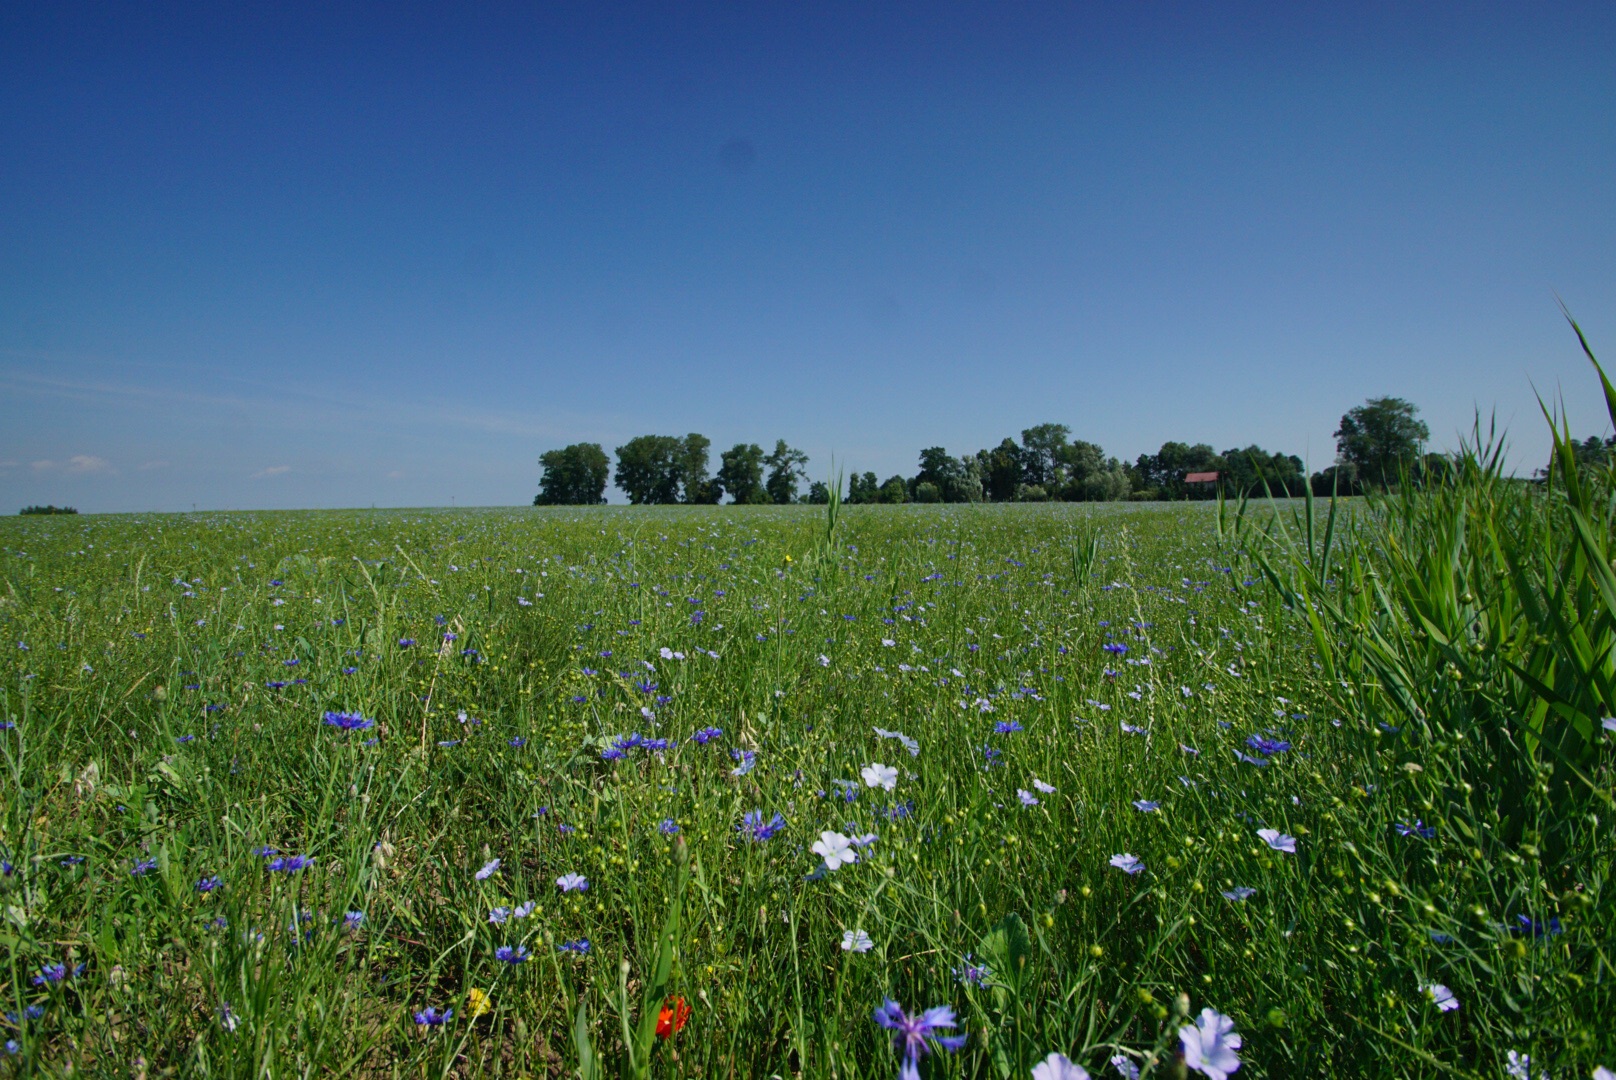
x: 740, y: 473
x: 1090, y: 475
x: 1380, y: 438
x: 862, y: 488
x: 1041, y: 454
x: 818, y: 493
x: 1164, y: 471
x: 573, y: 476
x: 691, y: 465
x: 1001, y: 470
x: 928, y: 492
x: 1253, y: 471
x: 894, y: 490
x: 648, y: 468
x: 786, y: 468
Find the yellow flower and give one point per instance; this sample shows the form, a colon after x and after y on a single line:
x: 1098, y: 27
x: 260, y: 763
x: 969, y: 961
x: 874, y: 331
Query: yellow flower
x: 477, y: 1003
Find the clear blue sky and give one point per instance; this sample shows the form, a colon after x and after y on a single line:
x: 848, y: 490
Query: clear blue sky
x: 262, y: 256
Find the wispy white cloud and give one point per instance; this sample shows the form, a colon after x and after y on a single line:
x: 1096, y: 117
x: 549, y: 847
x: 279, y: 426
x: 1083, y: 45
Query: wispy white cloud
x: 88, y: 463
x: 273, y: 470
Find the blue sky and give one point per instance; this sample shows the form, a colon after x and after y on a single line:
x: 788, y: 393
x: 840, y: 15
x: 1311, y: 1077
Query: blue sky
x: 339, y: 256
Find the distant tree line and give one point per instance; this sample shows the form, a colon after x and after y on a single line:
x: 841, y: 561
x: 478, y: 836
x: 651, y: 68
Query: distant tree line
x: 1379, y: 444
x: 47, y: 510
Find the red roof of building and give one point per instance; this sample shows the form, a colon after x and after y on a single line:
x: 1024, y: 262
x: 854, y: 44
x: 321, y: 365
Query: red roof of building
x: 1201, y: 478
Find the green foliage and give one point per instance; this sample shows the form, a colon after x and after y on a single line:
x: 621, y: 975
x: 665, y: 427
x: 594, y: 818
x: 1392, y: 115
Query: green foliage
x: 573, y: 476
x: 894, y: 490
x: 741, y: 473
x: 46, y: 510
x: 1381, y: 438
x: 786, y: 469
x: 862, y: 489
x: 927, y: 492
x: 648, y: 469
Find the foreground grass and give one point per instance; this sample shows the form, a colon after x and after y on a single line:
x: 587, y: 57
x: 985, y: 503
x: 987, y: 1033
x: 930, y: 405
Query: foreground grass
x: 164, y: 699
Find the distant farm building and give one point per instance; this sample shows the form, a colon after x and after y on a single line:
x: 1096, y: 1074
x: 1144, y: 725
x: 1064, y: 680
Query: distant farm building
x: 1201, y: 478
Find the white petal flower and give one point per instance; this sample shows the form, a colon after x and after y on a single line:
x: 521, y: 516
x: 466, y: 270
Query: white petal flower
x: 1058, y: 1067
x: 836, y: 849
x: 856, y: 941
x: 879, y: 775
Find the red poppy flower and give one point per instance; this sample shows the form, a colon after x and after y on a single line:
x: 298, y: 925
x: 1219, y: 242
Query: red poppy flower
x: 672, y: 1017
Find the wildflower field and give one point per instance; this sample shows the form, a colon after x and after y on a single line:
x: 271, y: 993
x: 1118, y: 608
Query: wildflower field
x: 956, y: 791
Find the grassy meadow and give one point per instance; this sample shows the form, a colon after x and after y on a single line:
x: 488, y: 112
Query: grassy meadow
x: 285, y: 790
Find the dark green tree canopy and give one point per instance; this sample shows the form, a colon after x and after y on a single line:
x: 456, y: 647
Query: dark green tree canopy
x: 740, y: 473
x: 648, y: 468
x: 786, y: 468
x: 573, y: 476
x: 1381, y: 438
x: 1245, y: 472
x: 863, y: 488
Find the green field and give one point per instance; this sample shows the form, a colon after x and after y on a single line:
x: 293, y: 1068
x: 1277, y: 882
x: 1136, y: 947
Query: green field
x: 1077, y: 683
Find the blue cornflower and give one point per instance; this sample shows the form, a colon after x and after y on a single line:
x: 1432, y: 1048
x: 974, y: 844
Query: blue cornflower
x: 753, y: 828
x: 707, y: 735
x: 668, y: 827
x: 405, y: 642
x: 1116, y: 647
x: 348, y: 721
x: 144, y: 866
x: 208, y: 884
x: 487, y: 870
x: 1007, y: 727
x: 572, y: 883
x: 518, y: 742
x: 910, y: 1033
x: 990, y: 757
x: 1419, y: 829
x: 511, y: 955
x: 430, y: 1017
x: 1537, y: 929
x: 654, y: 744
x: 50, y: 973
x: 1145, y: 806
x: 266, y: 851
x: 747, y: 759
x: 353, y: 920
x: 290, y: 864
x: 580, y: 946
x: 1266, y: 745
x: 975, y: 974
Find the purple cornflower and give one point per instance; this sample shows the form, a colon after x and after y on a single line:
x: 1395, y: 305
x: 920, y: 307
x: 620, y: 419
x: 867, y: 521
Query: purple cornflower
x: 1027, y: 798
x: 753, y: 828
x: 290, y: 864
x: 910, y: 1033
x: 573, y: 883
x: 518, y: 742
x: 1239, y: 893
x: 990, y: 757
x: 511, y: 955
x: 487, y: 871
x: 747, y: 759
x: 1266, y: 745
x: 348, y: 721
x: 1007, y: 727
x: 580, y: 946
x: 1145, y: 806
x: 1419, y: 829
x: 353, y: 920
x: 1116, y: 647
x: 50, y: 973
x: 405, y: 642
x: 208, y: 884
x: 430, y: 1017
x: 668, y: 827
x: 975, y: 974
x: 144, y: 866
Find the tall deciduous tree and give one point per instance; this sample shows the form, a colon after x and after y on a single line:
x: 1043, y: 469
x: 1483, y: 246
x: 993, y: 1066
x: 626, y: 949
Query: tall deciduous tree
x: 1041, y: 455
x: 1380, y: 438
x: 691, y: 462
x: 787, y: 466
x: 648, y: 468
x: 740, y: 473
x: 862, y: 488
x: 573, y: 476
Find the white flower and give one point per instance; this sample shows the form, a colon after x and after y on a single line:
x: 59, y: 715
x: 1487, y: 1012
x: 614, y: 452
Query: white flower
x: 888, y: 642
x: 856, y: 941
x: 1278, y: 840
x: 1519, y: 1066
x: 1210, y: 1044
x: 908, y: 744
x: 835, y: 849
x: 879, y: 775
x: 1609, y: 724
x: 1058, y: 1067
x: 665, y: 652
x: 1600, y: 1072
x: 824, y: 661
x: 1047, y: 789
x: 1441, y: 997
